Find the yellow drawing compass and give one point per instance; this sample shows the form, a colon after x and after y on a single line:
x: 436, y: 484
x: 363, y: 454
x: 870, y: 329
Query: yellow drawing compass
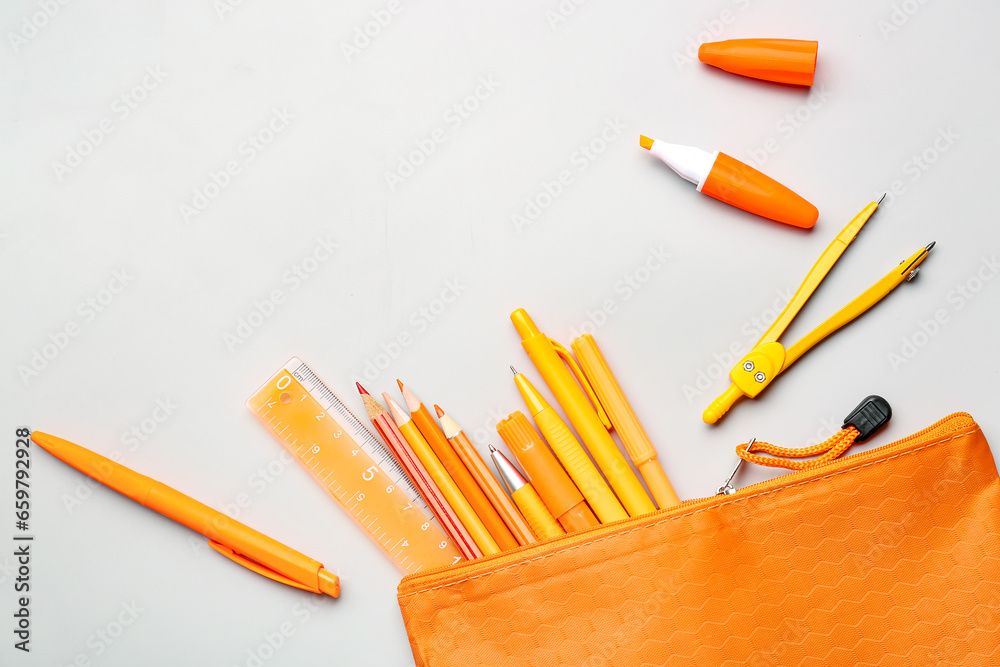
x: 768, y: 358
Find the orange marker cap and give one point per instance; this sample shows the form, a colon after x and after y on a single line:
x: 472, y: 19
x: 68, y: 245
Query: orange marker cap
x: 781, y: 60
x: 546, y: 474
x: 743, y: 186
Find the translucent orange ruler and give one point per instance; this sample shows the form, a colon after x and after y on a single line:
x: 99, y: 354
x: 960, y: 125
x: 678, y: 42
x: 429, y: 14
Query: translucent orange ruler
x: 353, y: 466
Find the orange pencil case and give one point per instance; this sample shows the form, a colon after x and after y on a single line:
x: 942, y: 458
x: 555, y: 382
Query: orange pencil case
x: 887, y: 557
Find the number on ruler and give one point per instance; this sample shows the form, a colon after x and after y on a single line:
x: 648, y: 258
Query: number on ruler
x: 324, y: 460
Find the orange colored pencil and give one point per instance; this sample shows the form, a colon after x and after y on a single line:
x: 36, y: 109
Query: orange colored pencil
x: 459, y: 503
x: 484, y: 477
x: 453, y: 464
x: 401, y: 449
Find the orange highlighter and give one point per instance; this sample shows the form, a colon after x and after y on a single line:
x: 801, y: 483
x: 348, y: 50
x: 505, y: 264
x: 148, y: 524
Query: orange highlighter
x: 538, y: 516
x: 229, y: 537
x: 556, y: 489
x: 727, y: 179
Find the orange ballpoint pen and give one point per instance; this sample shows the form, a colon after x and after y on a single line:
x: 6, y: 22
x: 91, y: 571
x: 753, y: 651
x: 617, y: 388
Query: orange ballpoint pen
x: 229, y: 537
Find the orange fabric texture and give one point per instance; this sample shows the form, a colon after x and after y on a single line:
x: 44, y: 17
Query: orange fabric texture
x: 886, y: 557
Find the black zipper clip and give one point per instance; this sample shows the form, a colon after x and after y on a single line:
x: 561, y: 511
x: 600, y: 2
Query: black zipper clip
x: 870, y: 415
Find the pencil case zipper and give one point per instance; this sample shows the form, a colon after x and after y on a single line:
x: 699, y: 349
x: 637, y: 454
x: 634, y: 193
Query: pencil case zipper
x: 416, y: 582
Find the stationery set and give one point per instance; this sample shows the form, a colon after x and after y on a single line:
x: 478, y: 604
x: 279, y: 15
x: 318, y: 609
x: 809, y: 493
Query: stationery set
x: 572, y: 548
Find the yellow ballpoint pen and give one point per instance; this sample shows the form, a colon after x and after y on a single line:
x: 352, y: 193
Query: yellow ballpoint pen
x: 538, y: 516
x: 768, y: 358
x: 570, y: 453
x: 551, y: 360
x: 229, y: 537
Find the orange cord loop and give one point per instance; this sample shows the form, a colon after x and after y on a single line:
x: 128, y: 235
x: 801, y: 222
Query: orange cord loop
x: 830, y: 449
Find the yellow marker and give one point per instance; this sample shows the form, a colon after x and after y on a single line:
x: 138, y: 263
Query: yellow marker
x: 570, y: 453
x: 768, y: 357
x: 538, y: 516
x: 548, y: 356
x: 625, y: 421
x: 436, y: 470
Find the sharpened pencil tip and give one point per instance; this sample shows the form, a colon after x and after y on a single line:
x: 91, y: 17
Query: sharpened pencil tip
x: 930, y: 245
x: 513, y: 370
x: 362, y: 390
x: 400, y: 383
x: 882, y: 197
x: 438, y: 410
x: 645, y: 141
x: 492, y: 448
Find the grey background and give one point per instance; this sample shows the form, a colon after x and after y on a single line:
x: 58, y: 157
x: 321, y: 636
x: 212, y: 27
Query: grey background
x: 893, y: 77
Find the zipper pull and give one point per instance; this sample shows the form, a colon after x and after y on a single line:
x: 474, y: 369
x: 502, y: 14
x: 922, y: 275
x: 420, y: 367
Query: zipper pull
x: 728, y: 489
x: 870, y: 415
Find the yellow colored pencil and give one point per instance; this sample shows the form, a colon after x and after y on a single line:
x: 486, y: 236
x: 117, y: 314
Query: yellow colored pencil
x: 436, y: 470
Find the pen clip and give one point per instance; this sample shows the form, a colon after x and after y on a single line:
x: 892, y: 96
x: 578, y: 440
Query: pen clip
x: 257, y: 567
x: 582, y: 379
